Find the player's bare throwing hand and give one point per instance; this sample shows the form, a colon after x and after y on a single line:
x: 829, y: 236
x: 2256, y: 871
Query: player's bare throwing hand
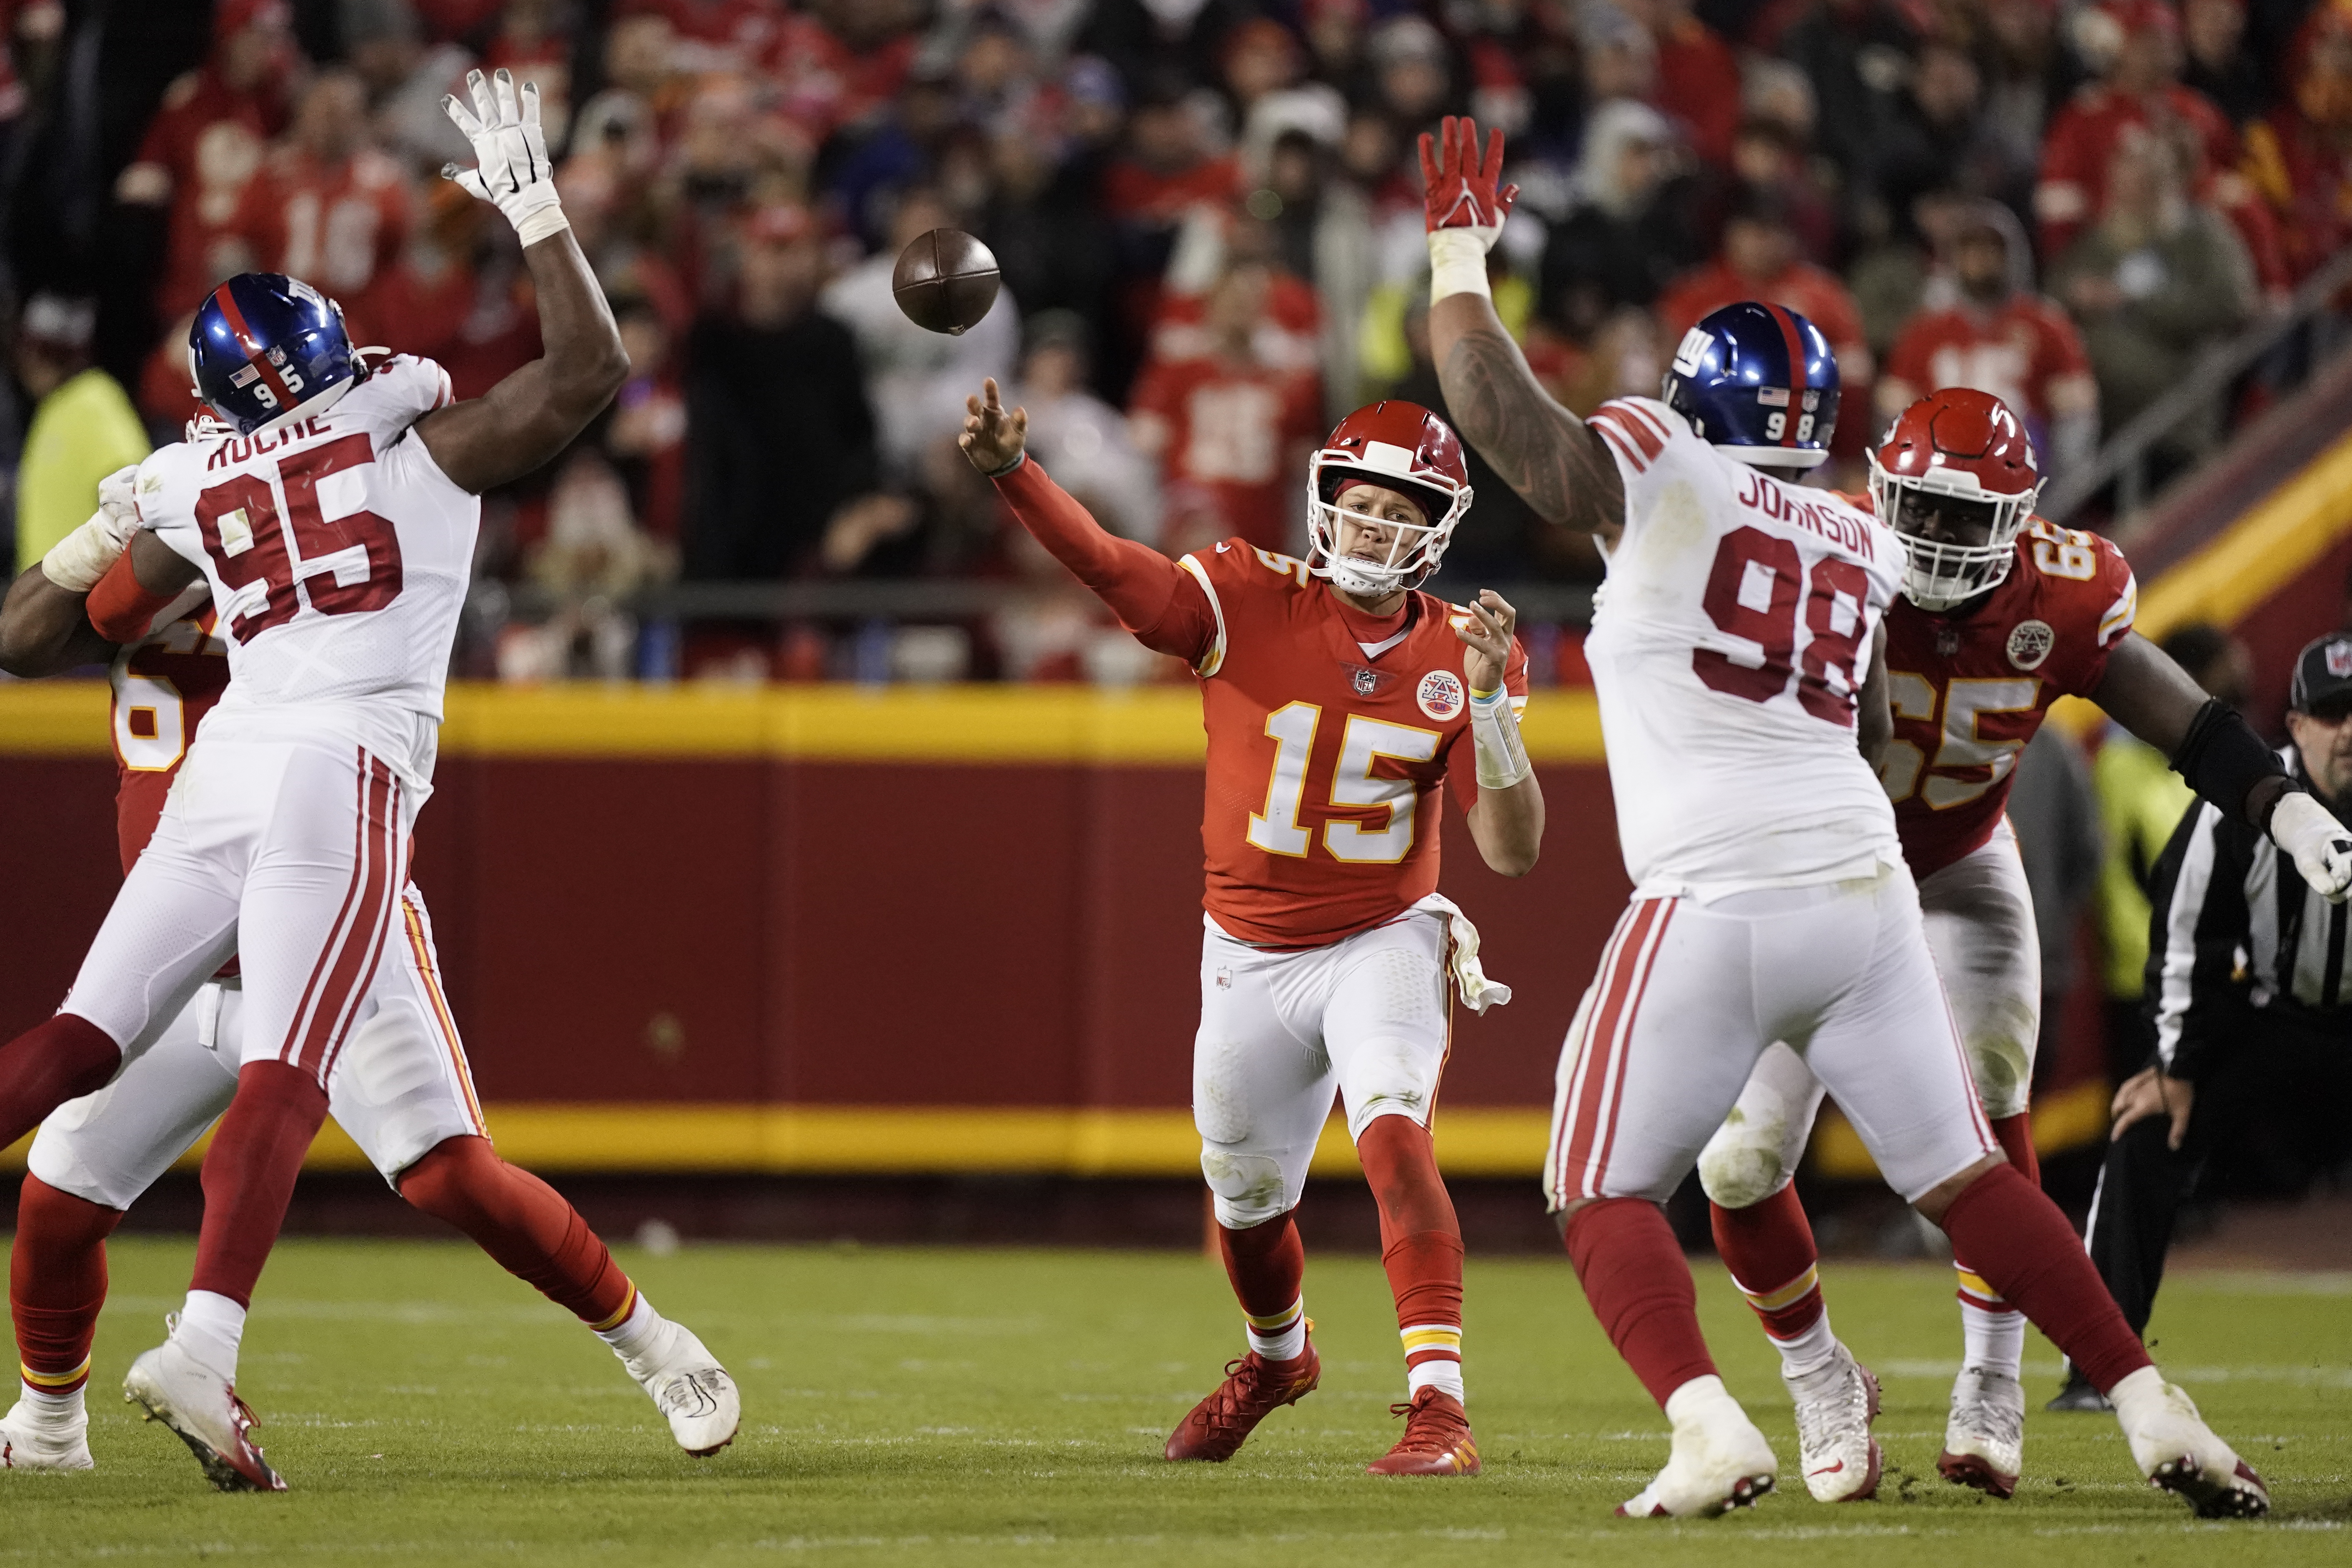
x: 1338, y: 699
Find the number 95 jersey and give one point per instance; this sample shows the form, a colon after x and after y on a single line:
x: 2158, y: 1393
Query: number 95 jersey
x: 338, y: 555
x: 1968, y: 690
x: 1326, y: 755
x: 1729, y: 645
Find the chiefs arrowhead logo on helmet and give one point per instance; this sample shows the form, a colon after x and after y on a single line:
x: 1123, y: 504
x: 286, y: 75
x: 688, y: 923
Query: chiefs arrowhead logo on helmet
x: 1399, y: 447
x: 1956, y: 479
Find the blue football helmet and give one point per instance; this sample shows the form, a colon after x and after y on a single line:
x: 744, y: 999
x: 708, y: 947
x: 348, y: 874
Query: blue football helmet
x: 1760, y: 382
x: 267, y: 350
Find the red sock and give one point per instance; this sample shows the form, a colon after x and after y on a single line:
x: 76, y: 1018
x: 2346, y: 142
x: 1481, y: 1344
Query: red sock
x: 63, y: 1057
x: 1633, y: 1274
x: 1768, y: 1247
x: 249, y: 1175
x: 56, y: 1283
x: 524, y: 1224
x: 1267, y: 1265
x: 1421, y: 1240
x: 2024, y: 1249
x: 2016, y: 1135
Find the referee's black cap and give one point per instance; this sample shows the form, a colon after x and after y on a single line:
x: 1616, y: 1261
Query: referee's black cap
x: 2323, y: 674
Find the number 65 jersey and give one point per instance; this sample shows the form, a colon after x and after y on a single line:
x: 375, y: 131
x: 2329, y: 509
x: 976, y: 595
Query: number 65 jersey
x: 338, y: 555
x: 1729, y: 645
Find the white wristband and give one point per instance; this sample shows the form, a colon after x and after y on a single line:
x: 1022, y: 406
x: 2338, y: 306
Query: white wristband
x: 541, y: 222
x: 1494, y: 739
x: 77, y: 561
x: 1457, y: 263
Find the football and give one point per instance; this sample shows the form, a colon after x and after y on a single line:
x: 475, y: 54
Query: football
x: 945, y: 281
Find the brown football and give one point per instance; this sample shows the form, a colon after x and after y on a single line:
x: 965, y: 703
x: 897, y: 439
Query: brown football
x: 945, y: 281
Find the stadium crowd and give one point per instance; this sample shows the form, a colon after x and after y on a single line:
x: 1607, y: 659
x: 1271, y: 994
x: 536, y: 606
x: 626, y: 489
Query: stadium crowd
x: 1207, y: 215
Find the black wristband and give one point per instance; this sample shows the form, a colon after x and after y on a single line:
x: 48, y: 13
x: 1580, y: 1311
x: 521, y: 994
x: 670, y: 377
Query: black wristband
x: 2224, y: 760
x: 1018, y: 459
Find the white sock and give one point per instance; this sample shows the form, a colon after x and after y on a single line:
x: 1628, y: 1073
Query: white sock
x: 634, y: 1333
x: 211, y: 1327
x: 1283, y: 1336
x: 1807, y: 1352
x: 51, y: 1409
x: 1991, y: 1341
x: 1438, y: 1373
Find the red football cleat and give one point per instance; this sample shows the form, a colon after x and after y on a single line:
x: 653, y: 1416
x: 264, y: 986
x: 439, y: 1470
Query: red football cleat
x: 1436, y: 1440
x: 1254, y: 1389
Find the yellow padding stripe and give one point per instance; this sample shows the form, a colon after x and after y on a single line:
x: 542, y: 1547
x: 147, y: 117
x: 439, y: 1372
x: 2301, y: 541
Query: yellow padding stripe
x: 1794, y: 1290
x: 55, y: 1379
x: 1974, y: 1285
x: 1430, y: 1337
x: 627, y: 1306
x: 1279, y: 1321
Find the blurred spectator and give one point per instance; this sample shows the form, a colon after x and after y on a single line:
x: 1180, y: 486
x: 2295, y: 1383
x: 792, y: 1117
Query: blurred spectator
x: 1321, y: 231
x: 2300, y: 155
x: 1938, y: 135
x: 1229, y: 424
x: 2158, y: 278
x: 593, y: 556
x: 210, y: 134
x: 918, y: 379
x: 840, y: 63
x: 406, y: 80
x: 645, y: 438
x: 1768, y: 153
x: 2028, y: 73
x: 779, y: 434
x: 2141, y: 801
x: 716, y: 35
x: 83, y: 426
x: 1857, y: 54
x: 2055, y: 813
x: 1698, y: 76
x: 1044, y: 219
x: 1629, y: 232
x: 1759, y: 261
x: 2000, y: 336
x: 1413, y: 72
x: 327, y: 206
x: 1082, y: 441
x: 2135, y: 45
x: 2213, y: 34
x: 1147, y: 37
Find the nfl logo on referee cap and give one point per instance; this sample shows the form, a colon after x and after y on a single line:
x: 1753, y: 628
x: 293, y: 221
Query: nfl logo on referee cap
x: 2339, y: 657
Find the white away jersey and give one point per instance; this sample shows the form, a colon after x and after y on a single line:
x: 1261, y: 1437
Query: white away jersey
x: 1727, y: 647
x: 338, y: 555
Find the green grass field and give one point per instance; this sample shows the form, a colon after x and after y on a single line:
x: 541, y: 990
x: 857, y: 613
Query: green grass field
x: 998, y: 1408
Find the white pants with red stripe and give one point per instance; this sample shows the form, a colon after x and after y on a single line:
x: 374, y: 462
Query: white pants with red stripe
x: 1689, y: 995
x: 288, y: 850
x: 1979, y: 915
x: 400, y: 1086
x: 1366, y: 1017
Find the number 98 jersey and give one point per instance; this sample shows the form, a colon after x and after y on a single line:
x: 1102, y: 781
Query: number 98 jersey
x: 1969, y: 689
x: 1729, y: 645
x: 338, y: 554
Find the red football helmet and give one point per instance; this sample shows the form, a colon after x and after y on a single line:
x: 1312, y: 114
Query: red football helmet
x: 1965, y: 445
x: 1408, y: 449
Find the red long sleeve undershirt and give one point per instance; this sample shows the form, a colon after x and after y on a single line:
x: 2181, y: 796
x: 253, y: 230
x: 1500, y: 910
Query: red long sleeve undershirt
x: 1163, y: 604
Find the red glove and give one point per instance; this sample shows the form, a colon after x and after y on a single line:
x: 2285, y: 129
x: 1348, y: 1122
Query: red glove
x: 1459, y: 193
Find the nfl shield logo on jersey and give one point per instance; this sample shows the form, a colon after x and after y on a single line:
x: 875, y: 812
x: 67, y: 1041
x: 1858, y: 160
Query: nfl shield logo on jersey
x: 1441, y: 694
x: 2030, y: 643
x: 1367, y: 682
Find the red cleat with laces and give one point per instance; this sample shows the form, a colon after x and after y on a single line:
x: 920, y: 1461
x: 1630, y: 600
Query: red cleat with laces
x: 1436, y: 1440
x: 1254, y: 1389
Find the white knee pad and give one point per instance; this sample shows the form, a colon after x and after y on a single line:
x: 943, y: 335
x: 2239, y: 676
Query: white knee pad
x: 1745, y: 1163
x: 2001, y: 1057
x: 1248, y: 1189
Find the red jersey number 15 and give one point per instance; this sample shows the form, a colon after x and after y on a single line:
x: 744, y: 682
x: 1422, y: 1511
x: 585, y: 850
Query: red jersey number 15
x: 249, y: 543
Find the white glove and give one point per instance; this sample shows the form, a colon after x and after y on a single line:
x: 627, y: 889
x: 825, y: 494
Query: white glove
x: 512, y: 170
x: 77, y: 561
x: 2321, y: 846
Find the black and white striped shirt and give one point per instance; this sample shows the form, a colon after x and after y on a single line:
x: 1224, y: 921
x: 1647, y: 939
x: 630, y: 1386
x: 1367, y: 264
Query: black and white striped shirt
x: 2233, y: 926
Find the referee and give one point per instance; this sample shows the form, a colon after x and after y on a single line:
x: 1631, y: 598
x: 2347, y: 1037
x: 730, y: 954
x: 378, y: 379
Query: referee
x: 2253, y: 1015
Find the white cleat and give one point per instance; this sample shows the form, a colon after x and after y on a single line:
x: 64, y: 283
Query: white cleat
x: 1984, y: 1438
x: 687, y: 1386
x: 1836, y: 1402
x: 2178, y: 1452
x: 30, y: 1443
x: 1720, y: 1461
x: 201, y: 1407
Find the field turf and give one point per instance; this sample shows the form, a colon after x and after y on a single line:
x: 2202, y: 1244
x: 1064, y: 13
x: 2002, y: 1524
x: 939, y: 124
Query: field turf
x: 1008, y: 1408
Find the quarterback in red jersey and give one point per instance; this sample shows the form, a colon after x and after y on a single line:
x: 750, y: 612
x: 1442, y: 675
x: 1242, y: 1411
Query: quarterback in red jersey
x: 402, y: 1090
x: 2001, y: 613
x: 1339, y: 701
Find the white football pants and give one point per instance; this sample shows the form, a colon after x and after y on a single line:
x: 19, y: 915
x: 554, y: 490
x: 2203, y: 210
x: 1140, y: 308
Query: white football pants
x: 400, y: 1087
x: 1690, y: 995
x: 1980, y: 921
x: 1367, y: 1017
x: 279, y: 845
